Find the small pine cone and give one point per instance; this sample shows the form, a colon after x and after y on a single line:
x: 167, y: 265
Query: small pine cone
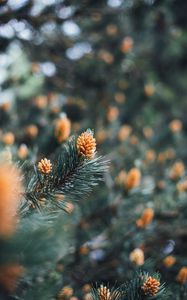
x: 146, y: 218
x: 10, y: 189
x: 148, y: 132
x: 124, y: 132
x: 151, y: 286
x: 169, y: 261
x: 149, y: 89
x: 133, y: 179
x: 137, y: 256
x: 8, y: 138
x: 32, y: 131
x: 103, y: 292
x: 10, y: 275
x: 182, y: 186
x: 112, y: 113
x: 22, y: 151
x: 62, y: 129
x: 127, y: 44
x: 65, y: 292
x: 177, y: 170
x: 182, y: 275
x: 45, y: 166
x: 86, y: 144
x: 175, y: 126
x: 6, y: 105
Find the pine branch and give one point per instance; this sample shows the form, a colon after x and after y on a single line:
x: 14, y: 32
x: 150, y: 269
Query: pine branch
x: 144, y: 286
x: 141, y: 287
x: 70, y: 174
x: 75, y: 175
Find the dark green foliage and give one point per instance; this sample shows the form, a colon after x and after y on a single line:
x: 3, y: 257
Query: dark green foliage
x: 131, y: 290
x: 75, y: 175
x: 84, y: 75
x: 72, y: 176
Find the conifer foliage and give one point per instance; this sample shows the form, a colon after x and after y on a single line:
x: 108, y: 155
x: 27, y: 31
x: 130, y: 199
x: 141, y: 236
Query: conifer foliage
x: 71, y: 173
x: 93, y: 163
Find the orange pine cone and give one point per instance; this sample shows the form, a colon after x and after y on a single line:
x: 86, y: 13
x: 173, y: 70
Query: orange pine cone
x: 149, y: 89
x: 151, y: 286
x: 22, y: 151
x: 66, y: 291
x: 62, y: 129
x: 112, y: 113
x: 31, y: 131
x: 10, y: 189
x: 146, y: 218
x: 86, y: 144
x: 133, y: 179
x: 9, y: 276
x: 40, y: 102
x: 103, y: 292
x: 45, y: 166
x: 8, y: 138
x: 169, y: 261
x: 148, y: 132
x: 182, y: 275
x: 182, y: 186
x: 177, y: 170
x: 127, y: 44
x: 175, y: 126
x: 137, y: 256
x: 124, y: 132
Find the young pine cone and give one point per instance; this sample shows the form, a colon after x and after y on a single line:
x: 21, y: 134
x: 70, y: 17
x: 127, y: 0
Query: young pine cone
x: 62, y: 129
x: 151, y: 286
x: 45, y: 166
x: 103, y: 292
x: 86, y: 144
